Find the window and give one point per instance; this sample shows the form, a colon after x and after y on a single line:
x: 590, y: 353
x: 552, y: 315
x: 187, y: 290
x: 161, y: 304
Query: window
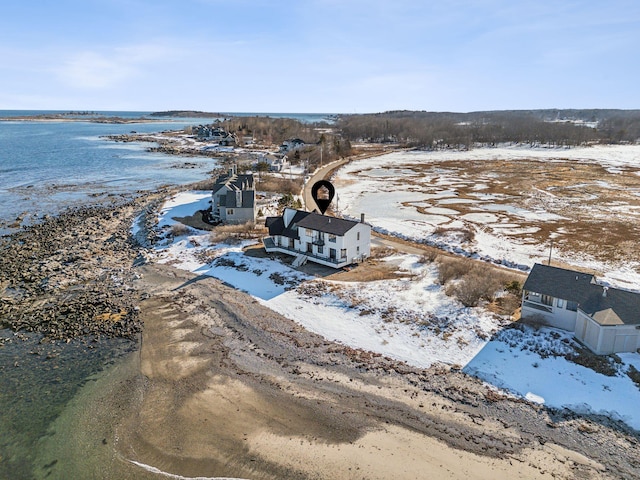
x: 332, y: 238
x: 573, y: 306
x: 546, y: 299
x: 308, y: 232
x: 320, y: 249
x: 229, y: 211
x: 358, y: 236
x: 560, y: 303
x: 343, y: 253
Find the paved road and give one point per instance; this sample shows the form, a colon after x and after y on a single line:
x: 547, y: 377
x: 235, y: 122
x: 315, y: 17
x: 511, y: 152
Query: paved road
x: 323, y: 173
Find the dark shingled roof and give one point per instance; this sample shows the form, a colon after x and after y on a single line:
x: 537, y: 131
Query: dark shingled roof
x: 327, y: 224
x: 606, y: 305
x: 232, y: 201
x: 241, y: 182
x: 557, y: 282
x: 276, y: 226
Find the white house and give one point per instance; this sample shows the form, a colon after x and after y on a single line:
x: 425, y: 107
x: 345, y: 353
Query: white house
x: 276, y: 162
x: 291, y: 145
x: 330, y: 241
x: 233, y: 198
x: 605, y: 319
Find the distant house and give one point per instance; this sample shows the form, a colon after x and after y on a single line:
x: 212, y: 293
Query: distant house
x: 230, y: 140
x: 605, y: 319
x: 276, y: 162
x: 234, y: 198
x: 210, y: 132
x: 291, y: 145
x: 309, y: 236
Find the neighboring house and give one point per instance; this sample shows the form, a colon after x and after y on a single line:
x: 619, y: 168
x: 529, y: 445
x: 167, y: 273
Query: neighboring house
x: 330, y: 241
x: 234, y: 198
x: 605, y: 319
x: 210, y: 132
x: 291, y: 145
x: 277, y: 163
x: 230, y: 140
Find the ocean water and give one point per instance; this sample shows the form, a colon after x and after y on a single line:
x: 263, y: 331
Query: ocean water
x: 47, y: 166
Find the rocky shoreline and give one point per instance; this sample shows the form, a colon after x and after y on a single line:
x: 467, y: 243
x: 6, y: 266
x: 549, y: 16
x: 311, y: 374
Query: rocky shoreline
x: 71, y: 275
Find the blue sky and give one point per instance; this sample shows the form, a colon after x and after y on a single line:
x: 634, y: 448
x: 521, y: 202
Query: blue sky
x: 340, y: 56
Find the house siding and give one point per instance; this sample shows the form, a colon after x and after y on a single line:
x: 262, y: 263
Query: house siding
x: 556, y: 316
x: 604, y: 340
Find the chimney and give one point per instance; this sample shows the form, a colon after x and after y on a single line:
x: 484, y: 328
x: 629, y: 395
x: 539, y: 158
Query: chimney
x: 362, y: 218
x: 604, y: 291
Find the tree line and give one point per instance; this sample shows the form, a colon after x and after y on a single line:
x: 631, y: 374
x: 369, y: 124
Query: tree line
x: 466, y: 130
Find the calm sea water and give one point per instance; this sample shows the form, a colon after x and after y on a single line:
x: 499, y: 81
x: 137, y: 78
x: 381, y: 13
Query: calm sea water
x: 45, y: 167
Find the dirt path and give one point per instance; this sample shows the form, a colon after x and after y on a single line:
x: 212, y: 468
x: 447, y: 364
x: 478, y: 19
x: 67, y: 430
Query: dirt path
x: 224, y: 387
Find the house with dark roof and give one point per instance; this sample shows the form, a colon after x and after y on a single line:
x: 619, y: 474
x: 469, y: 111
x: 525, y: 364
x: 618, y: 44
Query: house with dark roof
x: 310, y: 236
x: 291, y: 145
x: 234, y: 198
x: 605, y: 319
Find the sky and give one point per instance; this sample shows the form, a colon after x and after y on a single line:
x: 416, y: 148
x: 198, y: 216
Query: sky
x: 320, y: 56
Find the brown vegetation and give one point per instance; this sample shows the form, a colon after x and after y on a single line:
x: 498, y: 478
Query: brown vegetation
x: 270, y: 183
x: 233, y: 234
x: 471, y: 281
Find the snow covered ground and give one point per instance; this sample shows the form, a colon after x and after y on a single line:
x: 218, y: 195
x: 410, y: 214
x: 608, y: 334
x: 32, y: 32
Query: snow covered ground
x: 429, y: 196
x: 412, y: 320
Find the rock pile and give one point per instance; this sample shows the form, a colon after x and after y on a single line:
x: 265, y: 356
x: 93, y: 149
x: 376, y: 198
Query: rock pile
x: 72, y: 275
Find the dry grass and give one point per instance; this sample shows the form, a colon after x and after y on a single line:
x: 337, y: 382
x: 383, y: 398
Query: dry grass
x: 472, y: 281
x: 234, y: 234
x: 269, y: 183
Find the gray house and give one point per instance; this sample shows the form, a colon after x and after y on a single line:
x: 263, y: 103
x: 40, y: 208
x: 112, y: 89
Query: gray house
x: 234, y: 198
x: 605, y: 319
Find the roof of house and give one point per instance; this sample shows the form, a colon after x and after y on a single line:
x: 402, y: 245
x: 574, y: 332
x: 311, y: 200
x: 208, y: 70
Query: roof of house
x: 276, y: 226
x: 230, y: 200
x: 327, y: 224
x: 606, y: 305
x: 239, y: 182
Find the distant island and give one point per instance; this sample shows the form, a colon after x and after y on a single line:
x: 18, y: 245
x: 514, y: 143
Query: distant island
x: 186, y: 114
x: 77, y: 117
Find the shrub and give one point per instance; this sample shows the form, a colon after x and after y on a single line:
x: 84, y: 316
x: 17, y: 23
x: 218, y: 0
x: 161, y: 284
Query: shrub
x: 470, y: 281
x: 477, y: 284
x: 514, y: 287
x: 451, y: 268
x: 178, y: 229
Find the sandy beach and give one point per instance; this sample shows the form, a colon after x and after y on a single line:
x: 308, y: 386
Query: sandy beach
x: 223, y: 387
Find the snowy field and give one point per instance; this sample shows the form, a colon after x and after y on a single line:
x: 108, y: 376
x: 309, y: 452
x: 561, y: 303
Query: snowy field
x: 508, y: 204
x: 409, y: 319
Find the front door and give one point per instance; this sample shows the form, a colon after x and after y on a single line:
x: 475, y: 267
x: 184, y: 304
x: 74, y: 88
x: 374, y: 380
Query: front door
x: 309, y: 247
x: 332, y: 253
